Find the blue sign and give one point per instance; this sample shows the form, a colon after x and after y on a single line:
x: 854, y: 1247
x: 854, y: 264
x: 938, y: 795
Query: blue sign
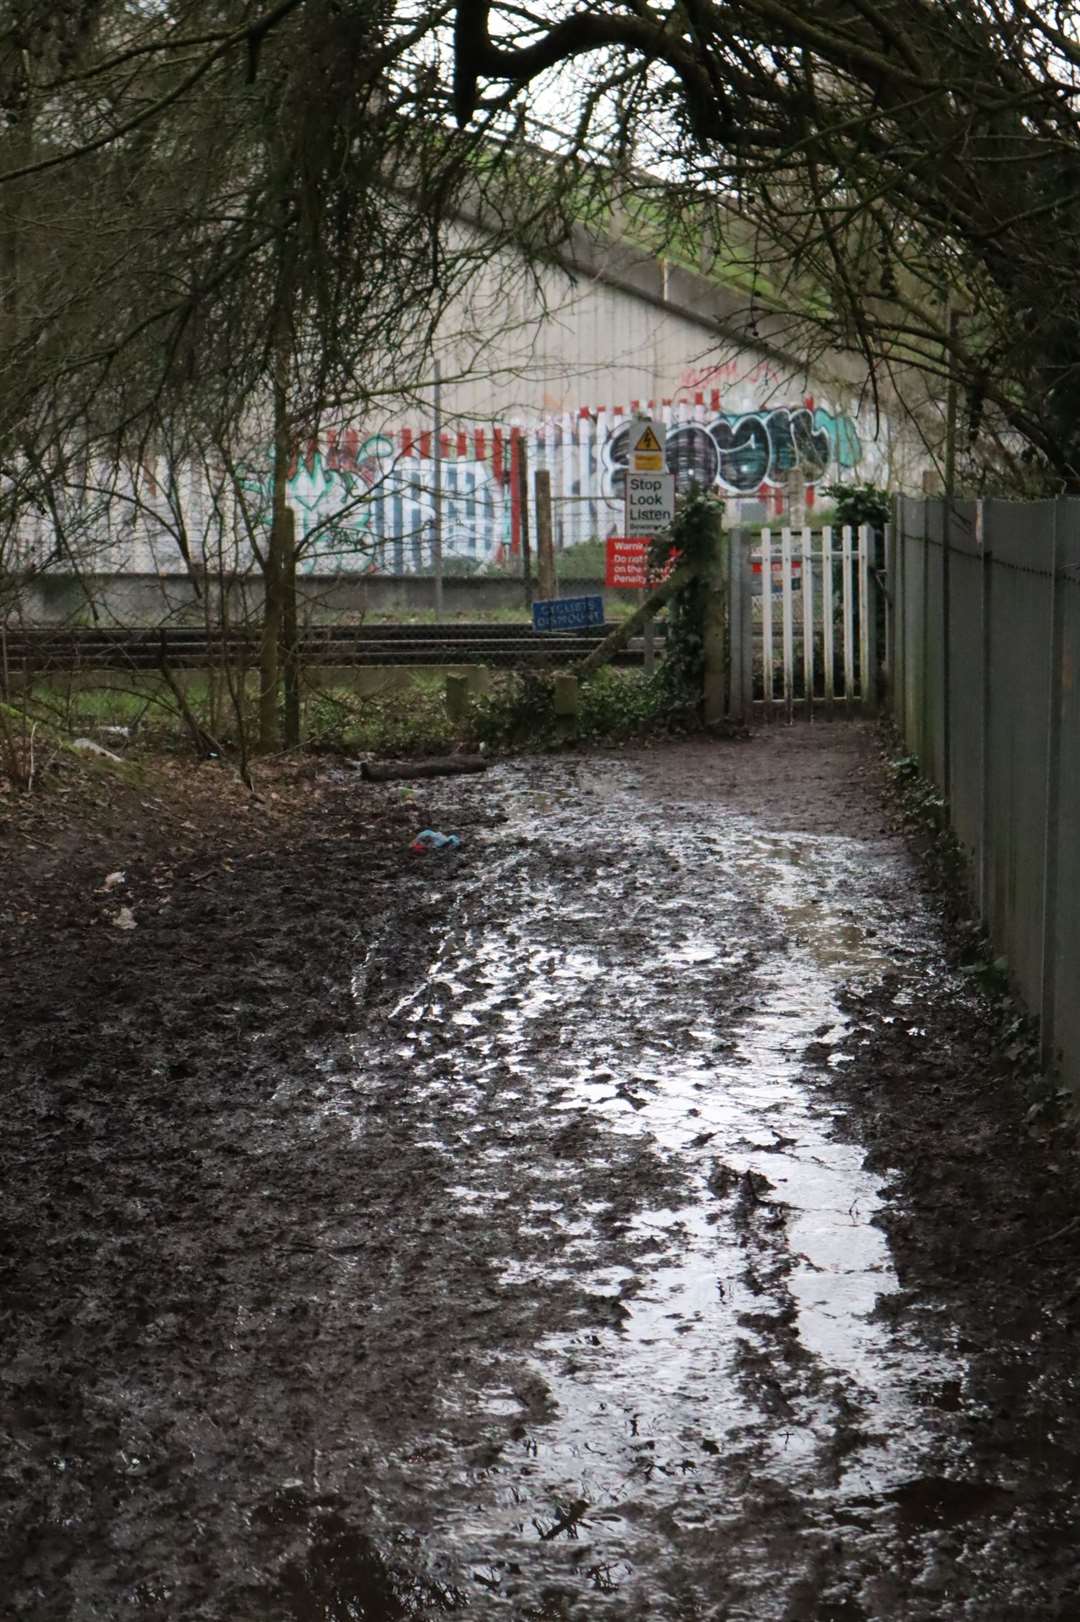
x: 568, y: 613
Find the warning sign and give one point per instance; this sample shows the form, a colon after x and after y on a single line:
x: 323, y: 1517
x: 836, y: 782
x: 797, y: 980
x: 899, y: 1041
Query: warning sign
x: 627, y: 562
x: 647, y: 446
x: 650, y: 502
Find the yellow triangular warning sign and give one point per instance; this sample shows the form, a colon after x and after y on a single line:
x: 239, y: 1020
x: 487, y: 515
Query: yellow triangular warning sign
x: 648, y: 440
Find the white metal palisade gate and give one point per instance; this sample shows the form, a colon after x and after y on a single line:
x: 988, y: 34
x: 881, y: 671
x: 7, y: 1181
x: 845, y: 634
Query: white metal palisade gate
x: 810, y: 631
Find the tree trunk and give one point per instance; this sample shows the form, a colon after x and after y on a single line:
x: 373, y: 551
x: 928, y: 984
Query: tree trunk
x: 545, y: 544
x: 274, y: 570
x: 290, y: 637
x: 523, y: 502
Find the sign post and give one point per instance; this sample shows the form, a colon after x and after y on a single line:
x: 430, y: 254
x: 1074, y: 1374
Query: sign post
x: 648, y: 441
x: 650, y: 489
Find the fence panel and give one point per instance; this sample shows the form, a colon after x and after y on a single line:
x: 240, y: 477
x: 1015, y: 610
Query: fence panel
x: 1063, y: 942
x: 933, y: 749
x: 912, y: 539
x: 1020, y: 536
x: 1012, y: 724
x: 967, y: 654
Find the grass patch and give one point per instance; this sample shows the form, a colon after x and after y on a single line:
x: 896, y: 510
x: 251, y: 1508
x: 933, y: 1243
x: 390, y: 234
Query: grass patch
x: 405, y: 721
x: 138, y: 715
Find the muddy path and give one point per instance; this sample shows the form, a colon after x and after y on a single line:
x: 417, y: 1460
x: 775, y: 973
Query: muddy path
x: 630, y: 1214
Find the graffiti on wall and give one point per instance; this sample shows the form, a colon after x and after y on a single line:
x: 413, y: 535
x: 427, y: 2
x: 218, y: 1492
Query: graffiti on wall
x: 368, y: 501
x: 379, y: 509
x: 376, y: 496
x: 739, y: 453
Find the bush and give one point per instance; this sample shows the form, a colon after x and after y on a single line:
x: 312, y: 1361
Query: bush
x: 860, y: 504
x: 692, y: 539
x: 613, y: 705
x: 585, y: 561
x: 409, y: 720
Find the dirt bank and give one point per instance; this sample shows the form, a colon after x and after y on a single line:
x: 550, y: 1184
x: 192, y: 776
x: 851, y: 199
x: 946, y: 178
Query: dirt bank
x: 630, y: 1214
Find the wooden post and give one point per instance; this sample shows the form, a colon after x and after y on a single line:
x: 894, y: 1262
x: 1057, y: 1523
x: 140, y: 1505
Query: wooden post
x: 647, y: 635
x: 744, y: 649
x: 545, y: 546
x: 988, y: 696
x: 457, y: 697
x: 566, y: 695
x: 273, y: 572
x: 567, y: 700
x: 648, y: 643
x: 523, y: 508
x: 714, y: 696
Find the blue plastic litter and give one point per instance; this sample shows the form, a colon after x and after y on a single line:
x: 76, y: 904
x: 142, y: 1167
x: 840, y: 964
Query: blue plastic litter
x: 431, y: 839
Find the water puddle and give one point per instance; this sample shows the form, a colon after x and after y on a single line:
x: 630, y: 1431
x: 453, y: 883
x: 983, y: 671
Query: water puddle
x: 669, y: 989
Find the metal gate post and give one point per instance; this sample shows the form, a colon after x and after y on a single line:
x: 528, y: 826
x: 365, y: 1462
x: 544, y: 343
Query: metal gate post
x: 868, y: 589
x: 743, y: 652
x: 736, y: 693
x: 895, y: 565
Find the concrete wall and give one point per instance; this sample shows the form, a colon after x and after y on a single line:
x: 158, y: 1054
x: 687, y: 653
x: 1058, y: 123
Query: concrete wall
x: 551, y: 365
x: 986, y: 656
x: 146, y: 599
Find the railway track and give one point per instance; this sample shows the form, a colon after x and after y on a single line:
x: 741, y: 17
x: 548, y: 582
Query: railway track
x: 43, y: 650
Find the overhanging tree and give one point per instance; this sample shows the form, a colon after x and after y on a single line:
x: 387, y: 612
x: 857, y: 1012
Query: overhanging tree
x: 902, y: 177
x: 208, y: 205
x: 229, y: 222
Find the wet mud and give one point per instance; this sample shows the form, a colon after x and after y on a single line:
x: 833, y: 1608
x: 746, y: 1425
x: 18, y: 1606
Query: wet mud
x: 630, y: 1214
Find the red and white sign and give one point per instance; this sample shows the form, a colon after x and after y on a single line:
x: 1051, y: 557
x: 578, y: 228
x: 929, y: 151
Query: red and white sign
x: 777, y: 566
x: 778, y: 574
x: 627, y: 563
